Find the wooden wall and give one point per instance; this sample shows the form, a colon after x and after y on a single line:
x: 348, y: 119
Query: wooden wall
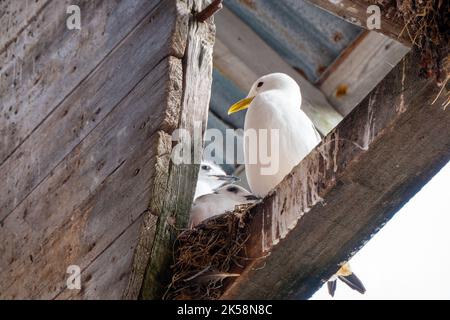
x: 85, y: 139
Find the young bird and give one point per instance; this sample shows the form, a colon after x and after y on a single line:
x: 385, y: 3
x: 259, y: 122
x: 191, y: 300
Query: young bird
x: 274, y: 102
x: 224, y: 199
x: 211, y: 177
x: 346, y: 275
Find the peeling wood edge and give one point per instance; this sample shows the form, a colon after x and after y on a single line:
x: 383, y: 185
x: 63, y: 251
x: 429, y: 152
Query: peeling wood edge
x: 163, y: 150
x: 169, y: 206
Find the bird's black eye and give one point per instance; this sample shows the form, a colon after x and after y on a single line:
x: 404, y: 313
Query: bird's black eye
x: 206, y: 167
x: 233, y: 189
x: 260, y: 84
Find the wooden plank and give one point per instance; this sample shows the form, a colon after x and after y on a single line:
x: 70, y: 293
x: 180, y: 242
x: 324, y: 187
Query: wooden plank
x: 85, y: 107
x: 15, y: 17
x: 174, y: 200
x: 150, y: 219
x: 242, y: 56
x: 355, y: 11
x: 162, y: 164
x: 359, y: 69
x: 47, y: 61
x: 90, y: 198
x: 333, y: 202
x: 108, y: 275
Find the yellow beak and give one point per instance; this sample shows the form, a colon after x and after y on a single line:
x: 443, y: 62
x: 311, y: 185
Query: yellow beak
x: 240, y: 105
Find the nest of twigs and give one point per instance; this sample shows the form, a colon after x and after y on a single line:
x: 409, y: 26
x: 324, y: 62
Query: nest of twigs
x: 427, y: 25
x: 208, y: 255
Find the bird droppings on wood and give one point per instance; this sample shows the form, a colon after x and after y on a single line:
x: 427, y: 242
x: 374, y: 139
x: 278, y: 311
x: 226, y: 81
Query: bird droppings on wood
x: 209, y: 254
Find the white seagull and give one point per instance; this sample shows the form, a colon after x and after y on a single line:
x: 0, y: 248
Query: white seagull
x: 274, y: 102
x: 224, y: 199
x: 211, y: 177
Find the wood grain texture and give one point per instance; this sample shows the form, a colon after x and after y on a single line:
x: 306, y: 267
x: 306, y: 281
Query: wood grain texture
x: 161, y: 167
x: 85, y: 107
x: 78, y: 188
x: 242, y: 56
x: 15, y: 16
x: 339, y: 196
x: 47, y: 61
x: 355, y: 11
x: 174, y: 200
x: 88, y: 200
x: 108, y: 275
x: 147, y: 230
x: 359, y: 69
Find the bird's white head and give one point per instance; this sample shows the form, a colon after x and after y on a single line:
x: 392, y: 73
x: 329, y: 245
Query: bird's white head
x: 213, y: 172
x: 274, y: 81
x: 208, y: 168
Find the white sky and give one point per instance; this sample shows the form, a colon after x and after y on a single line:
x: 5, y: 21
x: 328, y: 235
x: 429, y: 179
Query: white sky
x: 410, y: 257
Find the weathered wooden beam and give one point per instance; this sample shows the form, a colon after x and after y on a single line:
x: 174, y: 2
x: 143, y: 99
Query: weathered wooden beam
x: 333, y: 202
x: 65, y: 127
x: 173, y: 198
x: 359, y: 69
x: 355, y: 11
x: 40, y: 67
x: 242, y: 56
x: 77, y: 190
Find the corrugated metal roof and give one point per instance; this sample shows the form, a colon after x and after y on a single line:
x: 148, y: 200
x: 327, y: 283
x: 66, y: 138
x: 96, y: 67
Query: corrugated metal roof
x: 307, y: 37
